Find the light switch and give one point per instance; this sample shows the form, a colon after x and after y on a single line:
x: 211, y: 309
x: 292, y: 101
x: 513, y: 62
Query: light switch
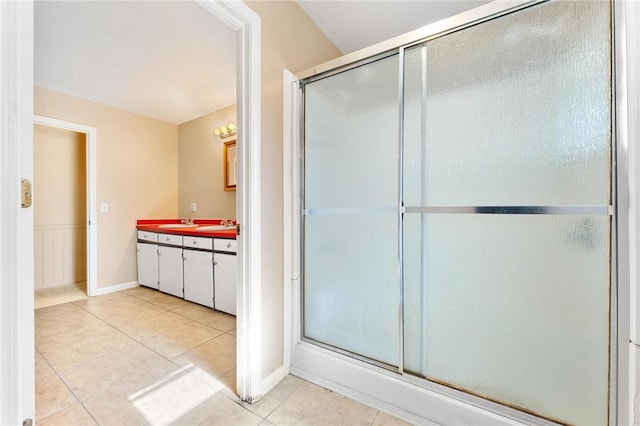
x: 193, y: 207
x: 104, y: 208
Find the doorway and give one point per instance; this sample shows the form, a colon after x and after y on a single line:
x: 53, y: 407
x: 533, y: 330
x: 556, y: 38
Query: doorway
x: 65, y: 246
x: 60, y: 225
x: 16, y: 221
x: 244, y: 22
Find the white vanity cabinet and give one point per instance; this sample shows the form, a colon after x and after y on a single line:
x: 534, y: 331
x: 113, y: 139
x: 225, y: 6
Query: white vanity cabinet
x: 170, y: 278
x: 198, y: 270
x: 147, y: 248
x: 225, y: 275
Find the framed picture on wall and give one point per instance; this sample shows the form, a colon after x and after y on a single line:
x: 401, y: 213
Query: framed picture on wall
x: 230, y: 161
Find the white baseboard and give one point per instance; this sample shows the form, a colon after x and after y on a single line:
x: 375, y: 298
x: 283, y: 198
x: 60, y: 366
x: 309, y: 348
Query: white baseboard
x: 101, y: 291
x: 272, y: 380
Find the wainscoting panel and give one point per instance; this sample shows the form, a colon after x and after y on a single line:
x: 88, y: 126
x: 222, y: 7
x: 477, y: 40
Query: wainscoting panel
x: 60, y: 255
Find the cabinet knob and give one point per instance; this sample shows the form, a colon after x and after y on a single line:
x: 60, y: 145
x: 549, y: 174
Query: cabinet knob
x: 228, y: 245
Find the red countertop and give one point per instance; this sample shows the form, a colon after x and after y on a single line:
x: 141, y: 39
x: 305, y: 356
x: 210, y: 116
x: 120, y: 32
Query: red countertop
x: 153, y: 225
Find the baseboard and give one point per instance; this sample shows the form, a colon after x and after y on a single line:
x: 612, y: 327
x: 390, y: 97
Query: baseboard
x: 272, y: 380
x: 113, y: 288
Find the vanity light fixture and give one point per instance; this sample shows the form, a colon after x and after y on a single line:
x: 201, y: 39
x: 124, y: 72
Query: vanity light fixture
x: 225, y: 131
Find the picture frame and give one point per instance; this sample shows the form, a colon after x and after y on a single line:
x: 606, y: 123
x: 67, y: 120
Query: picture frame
x: 230, y: 161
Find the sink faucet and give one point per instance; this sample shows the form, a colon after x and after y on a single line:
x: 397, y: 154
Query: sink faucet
x: 187, y: 221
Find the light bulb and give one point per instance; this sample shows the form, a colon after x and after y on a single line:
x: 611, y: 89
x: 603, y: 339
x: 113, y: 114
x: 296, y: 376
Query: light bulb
x: 217, y: 132
x: 232, y: 127
x: 224, y: 130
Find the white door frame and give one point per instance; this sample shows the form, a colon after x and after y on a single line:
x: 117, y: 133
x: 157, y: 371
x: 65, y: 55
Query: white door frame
x: 16, y: 224
x: 92, y: 219
x: 247, y: 25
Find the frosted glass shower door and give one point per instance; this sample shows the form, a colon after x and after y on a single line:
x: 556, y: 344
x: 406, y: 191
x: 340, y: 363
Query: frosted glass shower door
x: 351, y: 284
x: 506, y: 185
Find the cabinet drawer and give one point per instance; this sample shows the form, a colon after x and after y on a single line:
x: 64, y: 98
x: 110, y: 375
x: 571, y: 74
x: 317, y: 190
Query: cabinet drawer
x: 172, y: 239
x: 148, y: 236
x: 197, y: 243
x: 225, y: 245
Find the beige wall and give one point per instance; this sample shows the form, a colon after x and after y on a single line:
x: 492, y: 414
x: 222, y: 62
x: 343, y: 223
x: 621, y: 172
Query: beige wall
x: 58, y: 177
x: 200, y: 168
x: 290, y: 40
x: 137, y: 175
x: 59, y: 191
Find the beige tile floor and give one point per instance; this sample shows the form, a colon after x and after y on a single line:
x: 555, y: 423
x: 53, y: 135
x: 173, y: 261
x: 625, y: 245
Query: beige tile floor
x: 140, y: 357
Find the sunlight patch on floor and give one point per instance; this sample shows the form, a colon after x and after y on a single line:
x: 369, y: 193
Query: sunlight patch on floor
x: 175, y: 395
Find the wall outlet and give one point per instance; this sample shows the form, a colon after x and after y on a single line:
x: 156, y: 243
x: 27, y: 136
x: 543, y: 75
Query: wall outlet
x: 193, y: 207
x: 104, y: 208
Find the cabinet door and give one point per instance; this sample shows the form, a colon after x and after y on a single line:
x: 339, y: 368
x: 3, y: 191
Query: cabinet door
x: 198, y: 277
x: 225, y: 282
x: 148, y: 265
x: 170, y: 270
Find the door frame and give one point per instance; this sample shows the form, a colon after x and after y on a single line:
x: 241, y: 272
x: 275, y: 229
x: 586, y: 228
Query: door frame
x: 17, y: 402
x: 91, y: 142
x: 247, y: 24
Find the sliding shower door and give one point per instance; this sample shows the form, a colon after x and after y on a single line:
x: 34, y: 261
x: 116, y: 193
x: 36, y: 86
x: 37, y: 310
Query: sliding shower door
x: 351, y: 283
x: 507, y: 188
x: 457, y: 210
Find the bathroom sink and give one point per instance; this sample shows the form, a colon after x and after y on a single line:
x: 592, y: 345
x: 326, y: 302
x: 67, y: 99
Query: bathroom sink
x: 216, y: 228
x: 176, y: 225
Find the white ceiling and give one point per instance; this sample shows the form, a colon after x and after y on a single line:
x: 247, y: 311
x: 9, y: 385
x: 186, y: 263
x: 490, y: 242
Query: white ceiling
x: 355, y: 24
x: 174, y: 61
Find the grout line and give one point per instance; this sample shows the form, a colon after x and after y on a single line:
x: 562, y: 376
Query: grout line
x: 55, y: 372
x: 285, y: 399
x: 89, y: 412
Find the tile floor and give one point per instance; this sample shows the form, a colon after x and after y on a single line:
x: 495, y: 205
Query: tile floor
x: 141, y: 357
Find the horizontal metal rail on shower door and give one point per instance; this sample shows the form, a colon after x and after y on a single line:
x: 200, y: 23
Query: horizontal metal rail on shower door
x: 594, y: 210
x: 350, y: 211
x: 597, y: 210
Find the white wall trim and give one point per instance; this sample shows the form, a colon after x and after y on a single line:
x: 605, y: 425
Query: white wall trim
x: 632, y: 115
x: 101, y: 291
x: 290, y: 178
x: 632, y: 27
x: 91, y: 135
x: 249, y: 205
x: 273, y: 379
